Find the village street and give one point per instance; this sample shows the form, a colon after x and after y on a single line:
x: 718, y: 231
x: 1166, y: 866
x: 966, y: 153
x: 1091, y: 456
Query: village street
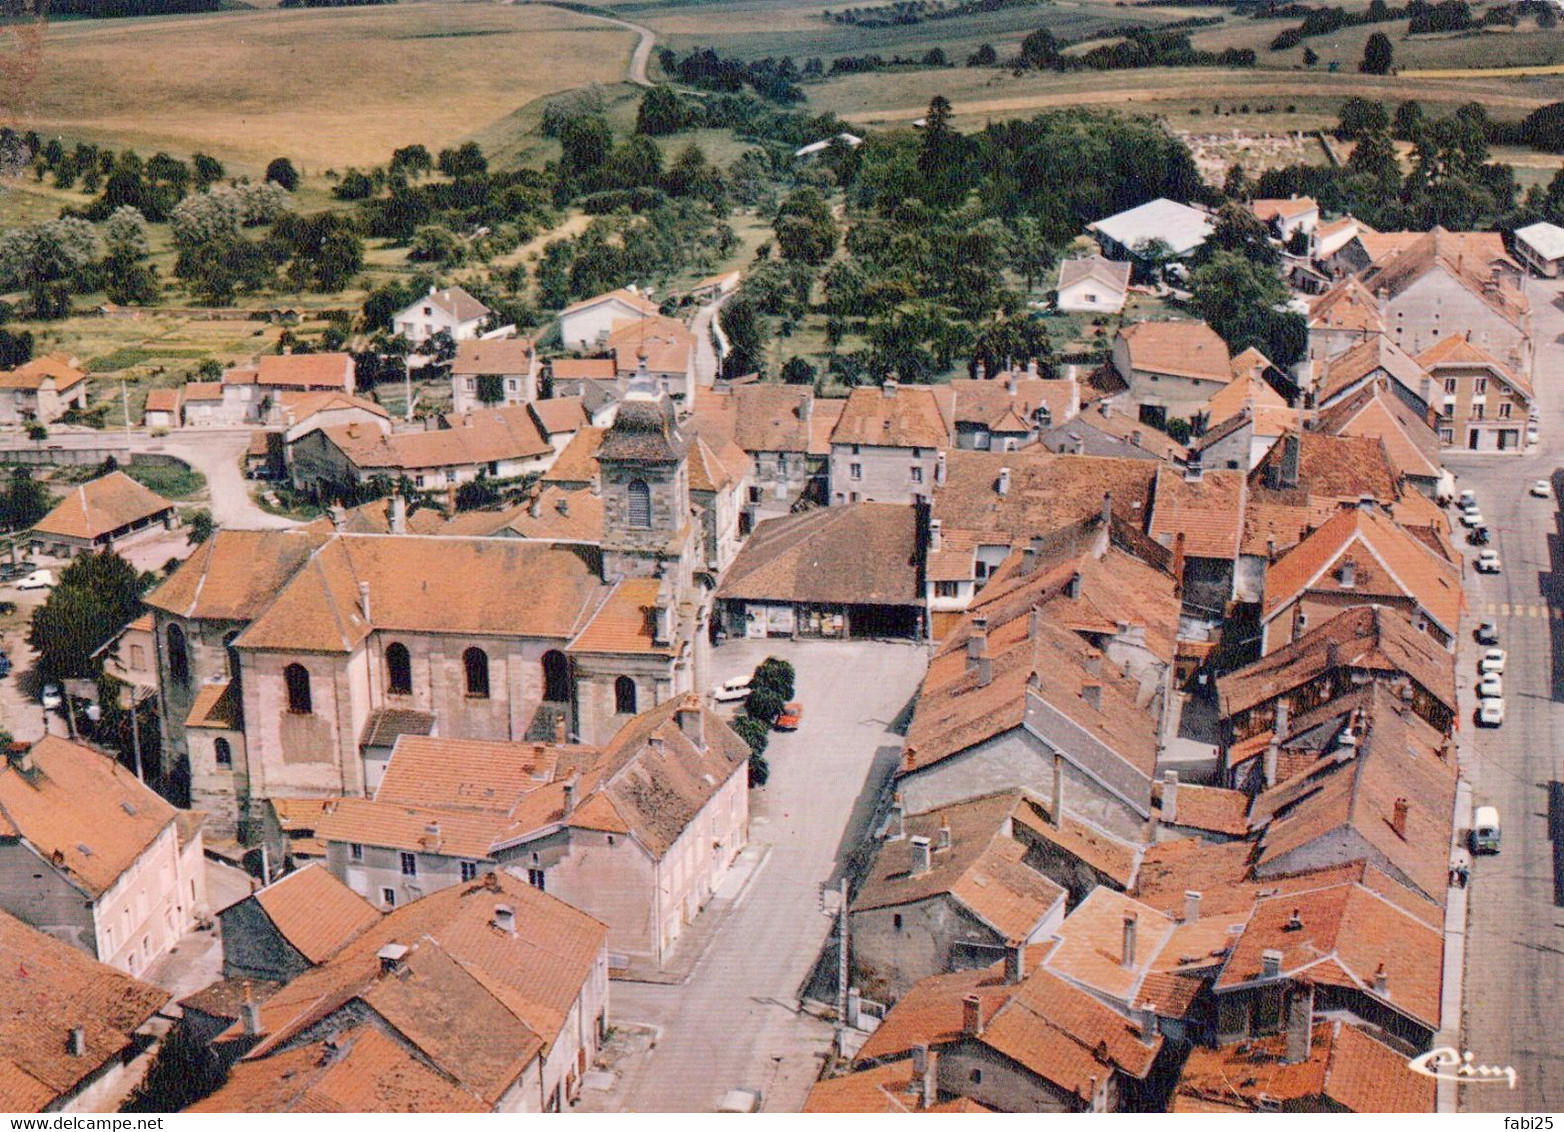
x: 735, y: 1021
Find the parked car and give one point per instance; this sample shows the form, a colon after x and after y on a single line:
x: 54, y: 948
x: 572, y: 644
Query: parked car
x: 730, y: 691
x: 1533, y: 434
x: 1488, y: 562
x: 1492, y: 661
x: 1472, y: 517
x: 1491, y: 686
x: 5, y: 665
x: 1490, y: 713
x: 740, y: 1100
x: 1485, y: 830
x: 1467, y: 498
x: 1488, y: 633
x: 792, y: 715
x: 51, y: 698
x: 37, y: 580
x: 1542, y: 489
x: 1478, y: 536
x: 10, y: 571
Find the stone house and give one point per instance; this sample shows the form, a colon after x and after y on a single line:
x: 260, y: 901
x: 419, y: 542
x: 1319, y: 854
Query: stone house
x: 252, y: 394
x: 658, y: 350
x: 201, y: 405
x: 1199, y: 516
x: 499, y: 443
x: 1011, y: 410
x: 162, y: 409
x: 95, y: 858
x: 1361, y: 556
x: 1411, y: 446
x: 493, y: 371
x: 1172, y: 368
x: 444, y: 309
x: 42, y: 390
x: 1481, y: 404
x: 78, y: 1035
x: 300, y: 921
x: 487, y: 996
x: 1283, y: 217
x: 1017, y: 1038
x: 785, y: 430
x: 102, y: 514
x: 947, y: 890
x: 889, y: 444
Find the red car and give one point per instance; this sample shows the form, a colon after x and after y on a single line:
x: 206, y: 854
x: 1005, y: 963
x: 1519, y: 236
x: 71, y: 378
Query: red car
x: 792, y: 715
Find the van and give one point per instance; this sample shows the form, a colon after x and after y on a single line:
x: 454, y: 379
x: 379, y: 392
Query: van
x: 1485, y: 830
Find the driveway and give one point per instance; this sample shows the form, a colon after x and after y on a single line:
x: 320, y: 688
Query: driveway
x: 216, y: 455
x: 1515, y: 928
x: 735, y: 1021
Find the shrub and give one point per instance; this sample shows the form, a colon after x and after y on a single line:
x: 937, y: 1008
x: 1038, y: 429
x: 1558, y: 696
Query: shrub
x: 759, y: 770
x: 754, y: 732
x: 775, y: 675
x: 764, y: 704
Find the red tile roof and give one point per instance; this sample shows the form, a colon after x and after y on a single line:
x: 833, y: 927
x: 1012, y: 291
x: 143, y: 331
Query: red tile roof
x: 315, y: 912
x: 913, y: 416
x: 102, y: 506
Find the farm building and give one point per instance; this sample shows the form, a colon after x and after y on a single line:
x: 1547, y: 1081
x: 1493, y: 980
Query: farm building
x: 1540, y: 247
x: 109, y: 511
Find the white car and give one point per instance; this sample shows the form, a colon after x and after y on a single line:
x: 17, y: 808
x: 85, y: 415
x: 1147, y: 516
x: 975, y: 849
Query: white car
x: 37, y: 580
x: 1488, y: 633
x: 1488, y: 562
x: 1490, y: 713
x: 1472, y: 517
x: 1467, y: 500
x: 1491, y: 687
x: 1492, y: 661
x: 1542, y: 490
x: 731, y: 691
x: 1533, y: 434
x: 51, y: 697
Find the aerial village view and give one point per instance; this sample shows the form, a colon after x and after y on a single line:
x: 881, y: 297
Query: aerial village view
x: 728, y: 556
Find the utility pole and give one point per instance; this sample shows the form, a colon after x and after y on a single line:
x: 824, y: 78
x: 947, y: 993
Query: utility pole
x: 841, y: 969
x: 124, y: 396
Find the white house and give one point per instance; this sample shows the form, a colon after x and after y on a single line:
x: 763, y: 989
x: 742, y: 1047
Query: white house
x: 1093, y: 284
x: 1540, y: 247
x: 585, y: 325
x: 450, y: 309
x: 1180, y: 227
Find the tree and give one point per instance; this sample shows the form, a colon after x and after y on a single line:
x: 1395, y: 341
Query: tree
x: 775, y: 674
x: 466, y: 160
x: 1310, y: 56
x: 1237, y: 229
x: 984, y: 56
x: 764, y: 703
x: 1377, y: 55
x: 1239, y: 298
x: 24, y: 502
x: 660, y: 112
x: 281, y: 172
x: 1040, y: 49
x: 1547, y: 18
x: 942, y: 157
x: 96, y: 595
x: 126, y: 279
x: 1407, y: 122
x: 585, y: 145
x: 1360, y: 116
x: 742, y: 324
x: 411, y: 160
x: 208, y: 170
x: 199, y: 528
x: 355, y: 185
x: 796, y: 371
x: 805, y: 228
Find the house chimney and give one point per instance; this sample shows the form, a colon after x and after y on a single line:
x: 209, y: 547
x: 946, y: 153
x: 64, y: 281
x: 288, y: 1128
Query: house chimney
x: 977, y: 643
x: 339, y: 516
x: 569, y: 802
x: 1072, y: 588
x: 1191, y: 906
x: 981, y: 371
x: 1273, y: 751
x: 1381, y: 981
x: 985, y: 671
x: 1398, y: 818
x: 1010, y: 383
x: 1349, y: 574
x: 1003, y: 485
x: 942, y: 837
x: 895, y: 821
x: 1170, y: 797
x: 936, y: 531
x: 1031, y: 367
x: 1270, y: 963
x: 1092, y: 694
x: 972, y: 1015
x: 363, y: 600
x: 692, y: 721
x: 560, y: 732
x: 888, y: 389
x: 76, y: 1045
x: 939, y: 470
x: 432, y: 835
x: 249, y: 1012
x: 398, y: 514
x: 1127, y: 955
x: 1300, y: 1023
x: 924, y: 1078
x: 562, y: 505
x: 505, y: 918
x: 534, y: 507
x: 920, y: 855
x: 1107, y: 507
x: 393, y: 959
x: 22, y: 759
x: 1294, y: 921
x: 1015, y: 961
x: 1058, y: 803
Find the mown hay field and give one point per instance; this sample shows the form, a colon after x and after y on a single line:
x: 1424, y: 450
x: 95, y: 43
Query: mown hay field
x: 328, y: 88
